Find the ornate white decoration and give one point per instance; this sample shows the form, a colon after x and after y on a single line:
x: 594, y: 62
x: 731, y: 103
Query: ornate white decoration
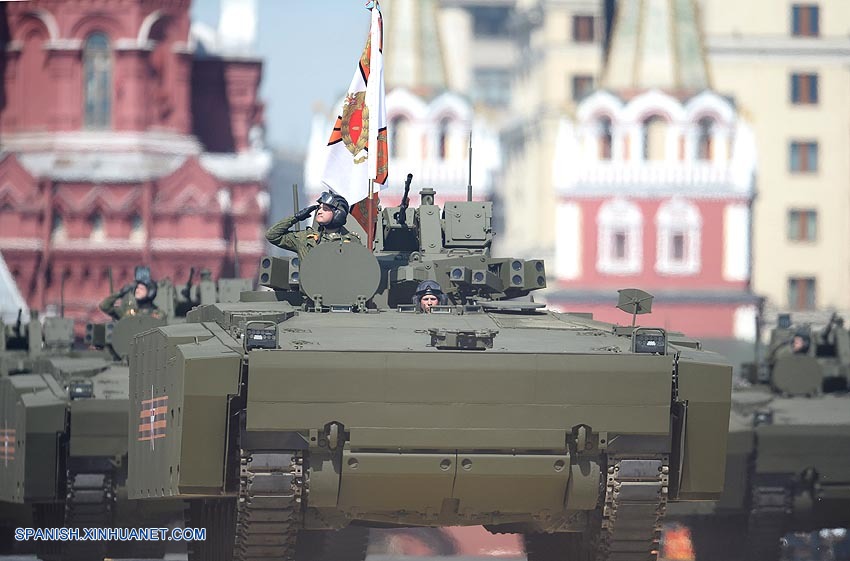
x: 619, y: 217
x: 678, y: 217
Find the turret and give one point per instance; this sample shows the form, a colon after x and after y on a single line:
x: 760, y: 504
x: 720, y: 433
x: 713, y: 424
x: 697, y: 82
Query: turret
x: 34, y: 337
x: 171, y: 303
x: 449, y: 245
x: 806, y: 361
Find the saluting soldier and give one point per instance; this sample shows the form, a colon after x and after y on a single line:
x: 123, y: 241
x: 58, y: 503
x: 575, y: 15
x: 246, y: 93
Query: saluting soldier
x: 331, y: 213
x: 136, y: 298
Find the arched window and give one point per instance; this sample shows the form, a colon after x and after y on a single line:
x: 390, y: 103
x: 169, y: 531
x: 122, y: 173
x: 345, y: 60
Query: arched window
x: 443, y: 140
x: 704, y: 147
x: 97, y: 232
x: 57, y: 228
x: 161, y: 64
x: 97, y: 88
x: 399, y: 141
x: 679, y: 226
x: 36, y: 88
x: 654, y: 138
x: 605, y: 138
x: 137, y: 229
x: 620, y: 245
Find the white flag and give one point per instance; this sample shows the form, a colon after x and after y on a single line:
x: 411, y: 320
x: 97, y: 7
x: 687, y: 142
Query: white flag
x: 357, y: 149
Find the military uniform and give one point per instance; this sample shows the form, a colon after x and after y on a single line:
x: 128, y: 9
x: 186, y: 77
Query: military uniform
x: 302, y: 242
x: 129, y: 306
x: 786, y: 349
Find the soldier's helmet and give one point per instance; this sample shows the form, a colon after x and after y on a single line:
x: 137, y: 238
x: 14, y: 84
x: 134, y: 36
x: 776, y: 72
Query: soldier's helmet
x: 151, y: 286
x: 142, y: 275
x: 430, y: 287
x: 340, y: 206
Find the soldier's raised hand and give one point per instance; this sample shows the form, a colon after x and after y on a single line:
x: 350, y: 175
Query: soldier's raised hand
x: 305, y: 213
x: 127, y: 288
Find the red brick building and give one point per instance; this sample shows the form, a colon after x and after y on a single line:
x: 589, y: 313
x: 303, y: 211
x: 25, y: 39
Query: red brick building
x: 124, y: 140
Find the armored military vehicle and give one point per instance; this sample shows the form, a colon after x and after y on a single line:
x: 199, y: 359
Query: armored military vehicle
x: 19, y: 343
x: 65, y: 422
x: 327, y: 403
x: 788, y: 458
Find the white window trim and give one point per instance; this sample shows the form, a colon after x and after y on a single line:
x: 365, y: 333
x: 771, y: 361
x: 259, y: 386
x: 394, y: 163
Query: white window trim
x: 673, y: 217
x: 615, y: 216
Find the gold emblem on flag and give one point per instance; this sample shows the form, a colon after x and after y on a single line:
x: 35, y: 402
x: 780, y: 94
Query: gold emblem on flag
x: 355, y: 124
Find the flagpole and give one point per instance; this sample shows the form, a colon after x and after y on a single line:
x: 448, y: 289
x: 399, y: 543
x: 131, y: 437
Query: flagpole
x: 370, y: 212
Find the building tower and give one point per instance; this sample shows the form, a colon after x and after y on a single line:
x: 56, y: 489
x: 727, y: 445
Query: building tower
x: 560, y: 47
x: 124, y: 140
x: 654, y: 180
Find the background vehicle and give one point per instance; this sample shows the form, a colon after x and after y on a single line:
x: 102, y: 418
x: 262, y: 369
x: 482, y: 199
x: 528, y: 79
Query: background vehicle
x: 64, y: 414
x: 788, y: 461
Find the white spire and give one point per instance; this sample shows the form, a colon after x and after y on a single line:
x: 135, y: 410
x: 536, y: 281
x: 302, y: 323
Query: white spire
x: 237, y: 26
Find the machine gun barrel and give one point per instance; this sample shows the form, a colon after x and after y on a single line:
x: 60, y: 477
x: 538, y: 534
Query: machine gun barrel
x: 834, y: 320
x: 236, y: 272
x: 405, y: 201
x: 188, y: 289
x: 18, y: 322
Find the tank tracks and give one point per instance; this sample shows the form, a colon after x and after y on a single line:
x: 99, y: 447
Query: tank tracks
x: 627, y: 527
x: 633, y: 510
x: 269, y: 513
x: 89, y: 503
x: 770, y: 507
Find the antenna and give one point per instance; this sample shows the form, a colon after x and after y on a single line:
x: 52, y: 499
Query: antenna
x: 469, y: 186
x: 235, y: 254
x: 62, y: 297
x: 295, y: 205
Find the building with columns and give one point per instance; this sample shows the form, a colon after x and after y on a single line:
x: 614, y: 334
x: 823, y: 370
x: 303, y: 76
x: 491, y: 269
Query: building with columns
x: 127, y: 138
x: 654, y: 179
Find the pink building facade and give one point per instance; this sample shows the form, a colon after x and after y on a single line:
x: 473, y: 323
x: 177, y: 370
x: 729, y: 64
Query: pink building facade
x: 654, y: 192
x: 124, y: 141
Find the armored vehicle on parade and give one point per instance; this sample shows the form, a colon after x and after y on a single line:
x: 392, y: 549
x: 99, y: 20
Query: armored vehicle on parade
x: 20, y: 343
x: 64, y: 415
x: 326, y: 404
x: 788, y: 459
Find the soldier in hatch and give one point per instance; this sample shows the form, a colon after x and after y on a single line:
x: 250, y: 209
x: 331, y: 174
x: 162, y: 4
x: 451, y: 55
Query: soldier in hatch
x: 136, y: 298
x: 800, y: 343
x: 429, y: 294
x: 331, y: 214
